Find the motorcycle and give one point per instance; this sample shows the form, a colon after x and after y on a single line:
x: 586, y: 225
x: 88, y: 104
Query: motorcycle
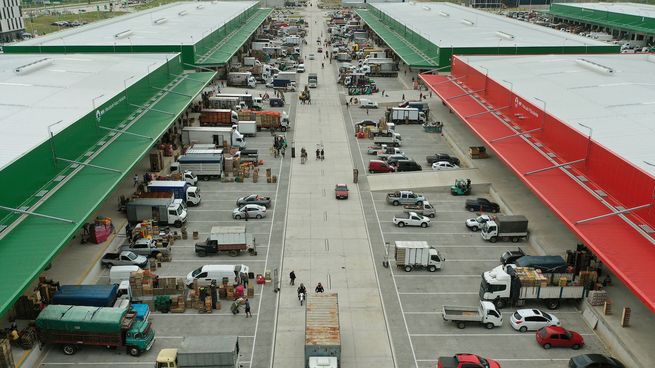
x: 301, y: 297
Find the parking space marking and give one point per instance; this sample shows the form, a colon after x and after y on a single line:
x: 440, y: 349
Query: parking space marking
x: 181, y: 337
x: 442, y: 293
x: 518, y: 334
x: 377, y: 280
x: 99, y: 363
x: 435, y: 220
x: 505, y: 313
x: 239, y: 191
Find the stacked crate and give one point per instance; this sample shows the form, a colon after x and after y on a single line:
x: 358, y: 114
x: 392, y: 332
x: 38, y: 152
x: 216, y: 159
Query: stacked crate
x: 531, y: 277
x: 597, y: 297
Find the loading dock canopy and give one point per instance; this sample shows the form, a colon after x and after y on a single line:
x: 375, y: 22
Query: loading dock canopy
x: 624, y: 16
x: 30, y: 243
x: 223, y: 51
x: 622, y: 243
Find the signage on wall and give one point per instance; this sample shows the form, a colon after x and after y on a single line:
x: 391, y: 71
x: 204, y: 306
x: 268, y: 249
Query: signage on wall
x: 521, y: 105
x: 101, y: 112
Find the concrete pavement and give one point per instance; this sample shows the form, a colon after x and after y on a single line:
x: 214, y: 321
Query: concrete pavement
x: 326, y: 239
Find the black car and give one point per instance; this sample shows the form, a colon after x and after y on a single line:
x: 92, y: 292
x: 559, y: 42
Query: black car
x: 366, y: 123
x: 482, y: 205
x: 594, y: 361
x: 407, y: 165
x: 442, y: 157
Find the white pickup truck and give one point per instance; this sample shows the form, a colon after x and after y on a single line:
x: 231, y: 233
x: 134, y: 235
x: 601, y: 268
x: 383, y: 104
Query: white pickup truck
x: 485, y: 314
x: 411, y: 219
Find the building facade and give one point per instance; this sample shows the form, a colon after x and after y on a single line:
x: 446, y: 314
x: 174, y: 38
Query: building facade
x: 11, y: 20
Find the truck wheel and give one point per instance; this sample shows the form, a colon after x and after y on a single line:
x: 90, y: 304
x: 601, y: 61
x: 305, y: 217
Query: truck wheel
x: 499, y: 303
x: 461, y: 325
x: 515, y: 239
x: 133, y: 351
x: 234, y: 253
x: 474, y: 228
x: 489, y: 325
x: 178, y: 223
x: 523, y: 329
x: 408, y: 268
x: 283, y: 129
x: 258, y: 216
x: 69, y: 349
x: 237, y: 217
x: 432, y: 268
x: 401, y: 224
x: 396, y: 203
x: 471, y: 209
x: 493, y: 239
x: 418, y: 203
x: 425, y: 224
x: 552, y: 304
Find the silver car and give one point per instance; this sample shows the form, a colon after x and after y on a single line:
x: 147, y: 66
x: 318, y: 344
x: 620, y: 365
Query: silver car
x: 249, y: 211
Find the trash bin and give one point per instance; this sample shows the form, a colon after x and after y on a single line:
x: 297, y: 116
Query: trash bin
x: 355, y: 175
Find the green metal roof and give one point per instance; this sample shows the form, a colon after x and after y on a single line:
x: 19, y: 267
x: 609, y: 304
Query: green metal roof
x: 79, y: 318
x: 629, y: 22
x: 30, y: 245
x: 406, y: 50
x: 224, y: 50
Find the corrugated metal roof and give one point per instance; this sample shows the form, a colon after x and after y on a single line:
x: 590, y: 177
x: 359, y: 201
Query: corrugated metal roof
x: 612, y: 94
x: 322, y: 319
x: 640, y: 10
x: 450, y: 25
x: 48, y: 88
x: 183, y: 23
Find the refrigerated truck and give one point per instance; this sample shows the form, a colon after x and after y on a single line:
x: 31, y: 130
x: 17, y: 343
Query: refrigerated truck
x: 213, y: 135
x: 159, y: 206
x: 410, y: 255
x: 73, y: 326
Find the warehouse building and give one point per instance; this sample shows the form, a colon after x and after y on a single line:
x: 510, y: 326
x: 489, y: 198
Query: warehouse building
x: 577, y: 130
x: 205, y: 33
x: 11, y: 20
x: 426, y: 35
x: 623, y: 21
x: 78, y: 124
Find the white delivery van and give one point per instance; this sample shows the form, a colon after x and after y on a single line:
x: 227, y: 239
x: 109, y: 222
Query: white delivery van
x: 208, y: 273
x: 118, y: 274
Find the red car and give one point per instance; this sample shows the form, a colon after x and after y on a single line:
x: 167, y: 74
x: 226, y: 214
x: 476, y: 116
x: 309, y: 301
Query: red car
x: 556, y: 336
x: 341, y: 191
x: 466, y: 360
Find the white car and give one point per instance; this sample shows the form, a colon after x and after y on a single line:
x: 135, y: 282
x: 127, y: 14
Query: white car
x: 475, y: 224
x: 532, y: 319
x: 252, y: 211
x: 300, y: 68
x: 444, y: 165
x: 367, y: 104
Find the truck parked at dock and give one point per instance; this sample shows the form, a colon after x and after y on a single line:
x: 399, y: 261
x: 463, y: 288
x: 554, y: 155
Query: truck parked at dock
x: 73, y: 326
x: 514, y: 228
x: 180, y: 189
x: 216, y: 135
x: 159, y: 206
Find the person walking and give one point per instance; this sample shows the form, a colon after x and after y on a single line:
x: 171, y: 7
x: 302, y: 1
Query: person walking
x: 292, y: 278
x: 319, y: 288
x: 322, y: 154
x: 136, y: 179
x: 403, y: 98
x: 318, y: 153
x: 248, y: 314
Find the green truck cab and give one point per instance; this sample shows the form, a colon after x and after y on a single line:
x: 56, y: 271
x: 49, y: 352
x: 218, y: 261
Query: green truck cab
x: 73, y: 326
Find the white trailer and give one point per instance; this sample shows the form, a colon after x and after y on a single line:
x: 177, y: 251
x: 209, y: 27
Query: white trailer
x: 213, y: 135
x: 248, y: 128
x: 417, y: 254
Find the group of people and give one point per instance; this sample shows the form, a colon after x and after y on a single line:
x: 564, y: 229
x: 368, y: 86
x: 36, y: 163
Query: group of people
x: 302, y: 291
x: 279, y: 145
x: 320, y: 154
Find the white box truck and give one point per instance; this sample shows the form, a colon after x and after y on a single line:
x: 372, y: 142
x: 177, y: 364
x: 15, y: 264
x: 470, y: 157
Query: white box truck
x: 213, y: 135
x: 241, y: 79
x: 247, y: 128
x: 403, y: 114
x: 417, y: 254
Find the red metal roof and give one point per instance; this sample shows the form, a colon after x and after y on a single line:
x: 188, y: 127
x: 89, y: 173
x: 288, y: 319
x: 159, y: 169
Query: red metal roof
x: 617, y: 243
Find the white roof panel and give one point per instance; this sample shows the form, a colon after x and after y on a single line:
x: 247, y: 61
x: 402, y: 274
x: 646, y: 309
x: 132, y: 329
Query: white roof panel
x: 59, y: 87
x: 183, y: 23
x: 640, y: 10
x: 619, y: 106
x: 450, y: 25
